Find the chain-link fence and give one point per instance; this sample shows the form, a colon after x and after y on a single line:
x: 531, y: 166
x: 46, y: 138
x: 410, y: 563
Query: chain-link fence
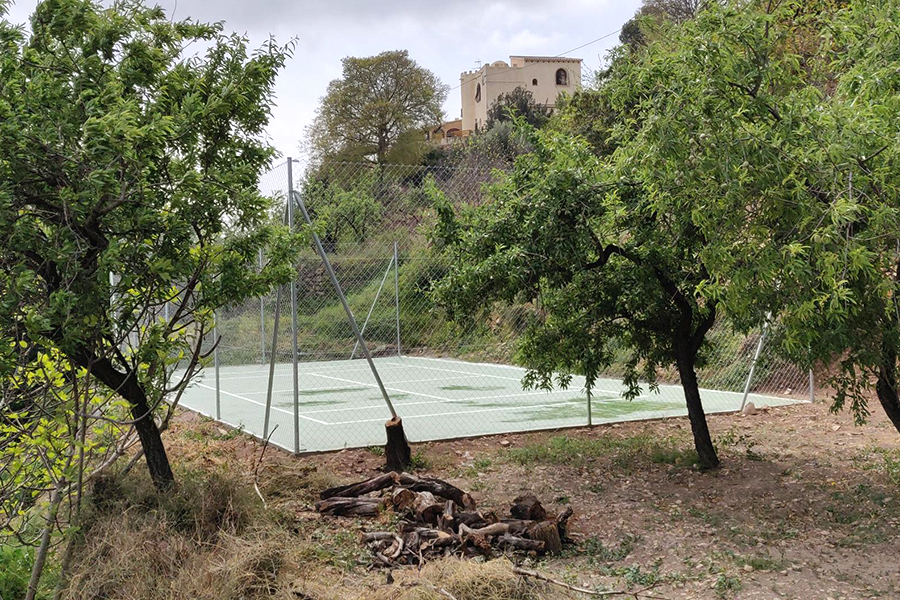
x: 291, y: 366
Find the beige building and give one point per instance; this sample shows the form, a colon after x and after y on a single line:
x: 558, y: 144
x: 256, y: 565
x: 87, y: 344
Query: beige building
x: 544, y: 76
x: 445, y: 133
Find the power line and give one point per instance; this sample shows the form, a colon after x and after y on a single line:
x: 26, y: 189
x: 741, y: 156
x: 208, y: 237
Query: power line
x: 561, y: 54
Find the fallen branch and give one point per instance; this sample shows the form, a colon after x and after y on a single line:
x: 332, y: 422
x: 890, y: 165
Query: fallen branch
x: 361, y: 488
x: 364, y: 507
x: 527, y: 573
x: 437, y: 487
x: 256, y: 469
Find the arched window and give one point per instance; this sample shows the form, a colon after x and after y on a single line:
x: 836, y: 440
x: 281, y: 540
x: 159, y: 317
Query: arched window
x: 534, y: 82
x: 478, y: 93
x: 562, y: 78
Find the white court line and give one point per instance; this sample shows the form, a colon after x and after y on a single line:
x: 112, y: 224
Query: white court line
x: 315, y: 389
x: 673, y: 386
x: 468, y: 412
x: 341, y: 387
x: 463, y: 372
x: 354, y: 408
x: 385, y: 387
x: 263, y: 405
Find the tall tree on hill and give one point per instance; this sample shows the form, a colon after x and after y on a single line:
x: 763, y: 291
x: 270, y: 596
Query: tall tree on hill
x: 366, y: 113
x: 128, y: 183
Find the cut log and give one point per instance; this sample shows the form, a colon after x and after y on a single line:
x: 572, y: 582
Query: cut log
x: 518, y: 543
x: 446, y: 518
x: 427, y: 507
x: 425, y: 533
x: 360, y: 488
x: 402, y: 498
x: 518, y: 526
x: 363, y: 507
x: 376, y: 536
x: 527, y: 506
x: 473, y: 519
x: 548, y: 533
x: 562, y: 523
x: 437, y: 487
x: 396, y: 452
x: 487, y: 531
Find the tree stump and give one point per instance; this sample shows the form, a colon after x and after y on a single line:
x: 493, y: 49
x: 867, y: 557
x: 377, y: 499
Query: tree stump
x: 396, y: 452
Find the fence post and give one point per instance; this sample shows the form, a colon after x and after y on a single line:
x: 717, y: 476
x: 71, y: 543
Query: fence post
x: 262, y: 315
x: 759, y: 346
x: 397, y: 295
x: 272, y: 362
x: 216, y: 365
x: 590, y: 420
x: 290, y: 217
x: 812, y: 386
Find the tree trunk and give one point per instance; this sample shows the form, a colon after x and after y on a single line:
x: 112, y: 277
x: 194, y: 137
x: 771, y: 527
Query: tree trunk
x: 886, y: 388
x: 127, y: 386
x: 702, y: 440
x: 40, y: 557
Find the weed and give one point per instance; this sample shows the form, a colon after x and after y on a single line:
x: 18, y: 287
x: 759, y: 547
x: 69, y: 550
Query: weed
x: 419, y: 462
x: 726, y: 585
x: 624, y: 451
x: 232, y: 433
x: 375, y: 450
x: 194, y: 435
x: 479, y: 466
x: 596, y: 551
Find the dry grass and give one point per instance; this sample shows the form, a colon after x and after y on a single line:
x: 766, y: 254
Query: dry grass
x: 464, y: 580
x: 212, y: 540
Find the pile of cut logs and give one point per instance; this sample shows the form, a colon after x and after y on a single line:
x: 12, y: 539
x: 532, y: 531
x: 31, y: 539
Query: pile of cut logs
x: 438, y: 518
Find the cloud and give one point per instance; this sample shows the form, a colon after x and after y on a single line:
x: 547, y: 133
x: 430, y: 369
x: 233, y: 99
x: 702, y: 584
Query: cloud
x: 445, y: 36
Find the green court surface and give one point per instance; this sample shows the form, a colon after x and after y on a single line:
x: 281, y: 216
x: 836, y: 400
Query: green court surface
x: 339, y: 404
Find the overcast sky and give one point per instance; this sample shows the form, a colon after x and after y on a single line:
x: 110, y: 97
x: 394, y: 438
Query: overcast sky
x: 445, y: 36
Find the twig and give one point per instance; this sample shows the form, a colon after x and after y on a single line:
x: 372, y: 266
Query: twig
x: 256, y: 469
x: 526, y: 573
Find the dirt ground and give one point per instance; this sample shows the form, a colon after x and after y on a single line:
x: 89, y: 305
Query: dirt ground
x: 805, y: 506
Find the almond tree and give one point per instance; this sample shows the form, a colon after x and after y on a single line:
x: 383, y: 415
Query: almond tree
x: 609, y: 268
x: 129, y: 208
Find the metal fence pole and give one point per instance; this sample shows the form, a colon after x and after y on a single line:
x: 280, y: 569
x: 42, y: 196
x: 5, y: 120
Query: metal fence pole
x: 262, y: 315
x: 272, y: 362
x: 343, y: 299
x: 397, y: 295
x: 590, y: 421
x: 290, y: 217
x: 812, y: 386
x: 759, y: 346
x: 216, y: 364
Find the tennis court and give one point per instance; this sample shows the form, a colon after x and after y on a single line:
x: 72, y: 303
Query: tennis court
x: 339, y: 404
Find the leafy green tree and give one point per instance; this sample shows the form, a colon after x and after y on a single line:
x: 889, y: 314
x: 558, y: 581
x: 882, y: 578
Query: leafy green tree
x: 517, y: 103
x: 373, y: 107
x: 128, y: 189
x: 781, y: 142
x: 609, y: 268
